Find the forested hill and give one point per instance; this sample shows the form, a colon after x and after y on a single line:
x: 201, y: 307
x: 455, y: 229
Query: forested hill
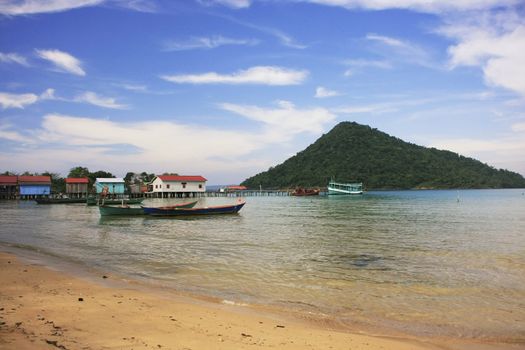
x: 352, y: 152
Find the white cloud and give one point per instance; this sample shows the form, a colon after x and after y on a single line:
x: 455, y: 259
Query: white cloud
x: 97, y: 100
x: 504, y: 152
x: 264, y: 75
x: 133, y: 87
x: 427, y: 6
x: 8, y: 100
x: 322, y: 92
x: 206, y: 43
x: 387, y: 40
x: 12, y: 135
x: 285, y: 39
x: 236, y: 4
x: 361, y: 63
x: 63, y: 61
x: 401, y: 50
x: 286, y: 120
x: 159, y: 145
x: 519, y: 127
x: 28, y: 7
x: 13, y: 58
x: 49, y: 94
x: 368, y: 109
x: 147, y: 6
x: 495, y: 43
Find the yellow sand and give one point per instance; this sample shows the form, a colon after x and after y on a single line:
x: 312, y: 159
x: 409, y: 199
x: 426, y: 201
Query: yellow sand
x: 42, y: 308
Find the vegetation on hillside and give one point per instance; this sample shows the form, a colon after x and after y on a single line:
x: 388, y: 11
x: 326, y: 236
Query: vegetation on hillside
x: 351, y: 152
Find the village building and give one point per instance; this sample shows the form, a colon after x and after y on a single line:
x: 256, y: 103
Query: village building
x: 8, y: 187
x: 77, y: 187
x: 112, y: 185
x: 138, y: 188
x: 34, y: 186
x: 177, y: 186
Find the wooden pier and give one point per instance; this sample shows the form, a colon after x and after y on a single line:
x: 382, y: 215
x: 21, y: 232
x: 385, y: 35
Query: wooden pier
x: 244, y: 193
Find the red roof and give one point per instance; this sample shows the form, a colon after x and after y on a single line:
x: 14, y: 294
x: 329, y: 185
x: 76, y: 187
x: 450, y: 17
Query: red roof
x: 35, y: 179
x: 5, y: 179
x: 191, y: 178
x: 77, y: 180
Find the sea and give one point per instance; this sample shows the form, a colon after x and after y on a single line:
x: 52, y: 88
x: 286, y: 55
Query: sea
x: 432, y: 263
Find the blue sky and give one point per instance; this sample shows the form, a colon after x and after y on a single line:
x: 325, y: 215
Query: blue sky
x: 226, y: 89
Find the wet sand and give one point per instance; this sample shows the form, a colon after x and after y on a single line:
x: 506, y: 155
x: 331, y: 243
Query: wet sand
x: 44, y: 308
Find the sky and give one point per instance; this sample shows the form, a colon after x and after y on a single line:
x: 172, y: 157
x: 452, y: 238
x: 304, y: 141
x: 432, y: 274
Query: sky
x: 228, y: 88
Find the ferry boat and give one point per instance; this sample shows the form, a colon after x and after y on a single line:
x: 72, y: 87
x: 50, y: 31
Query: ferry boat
x: 344, y: 188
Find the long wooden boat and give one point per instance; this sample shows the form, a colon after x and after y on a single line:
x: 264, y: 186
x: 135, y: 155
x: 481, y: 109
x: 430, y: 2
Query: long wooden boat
x: 301, y: 192
x: 113, y: 201
x: 344, y: 188
x: 221, y: 209
x: 127, y: 210
x: 106, y: 210
x: 59, y: 200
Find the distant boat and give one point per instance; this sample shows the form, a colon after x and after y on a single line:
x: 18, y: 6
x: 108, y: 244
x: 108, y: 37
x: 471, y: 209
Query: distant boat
x: 106, y: 210
x: 110, y: 201
x: 221, y: 209
x: 300, y: 192
x: 344, y: 188
x: 65, y: 200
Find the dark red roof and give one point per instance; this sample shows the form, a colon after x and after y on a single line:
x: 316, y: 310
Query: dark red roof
x: 190, y: 178
x: 46, y: 180
x: 8, y: 180
x: 77, y: 180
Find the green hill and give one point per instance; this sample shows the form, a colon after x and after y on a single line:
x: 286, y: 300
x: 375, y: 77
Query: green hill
x: 352, y: 152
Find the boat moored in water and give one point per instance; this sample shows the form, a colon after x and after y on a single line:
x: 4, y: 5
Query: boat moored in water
x: 301, y: 192
x: 215, y: 210
x: 345, y: 188
x: 59, y: 200
x: 106, y: 210
x: 113, y: 201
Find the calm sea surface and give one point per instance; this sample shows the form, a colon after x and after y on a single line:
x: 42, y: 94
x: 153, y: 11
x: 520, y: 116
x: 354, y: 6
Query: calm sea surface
x: 419, y: 262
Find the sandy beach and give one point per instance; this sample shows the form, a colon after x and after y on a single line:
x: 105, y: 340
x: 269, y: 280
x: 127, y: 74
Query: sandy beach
x: 44, y: 308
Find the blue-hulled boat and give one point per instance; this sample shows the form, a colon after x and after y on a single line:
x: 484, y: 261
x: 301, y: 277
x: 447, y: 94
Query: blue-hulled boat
x: 221, y: 209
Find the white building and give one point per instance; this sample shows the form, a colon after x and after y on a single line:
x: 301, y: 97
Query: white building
x: 177, y: 186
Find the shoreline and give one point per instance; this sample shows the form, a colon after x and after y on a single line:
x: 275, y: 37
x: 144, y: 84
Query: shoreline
x: 47, y: 305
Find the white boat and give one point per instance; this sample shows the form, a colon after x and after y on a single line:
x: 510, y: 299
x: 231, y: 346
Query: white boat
x: 344, y: 188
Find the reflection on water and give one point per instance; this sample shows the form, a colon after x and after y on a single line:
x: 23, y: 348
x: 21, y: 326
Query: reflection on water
x: 414, y: 261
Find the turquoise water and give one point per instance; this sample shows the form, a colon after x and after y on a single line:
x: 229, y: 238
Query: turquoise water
x: 431, y: 263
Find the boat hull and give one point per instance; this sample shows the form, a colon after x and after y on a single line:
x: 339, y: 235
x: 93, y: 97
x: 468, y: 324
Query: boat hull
x: 106, y: 210
x: 343, y: 192
x: 60, y: 200
x: 95, y: 201
x: 225, y: 209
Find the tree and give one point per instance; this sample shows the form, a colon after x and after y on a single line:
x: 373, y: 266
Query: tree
x: 58, y: 184
x: 100, y: 173
x: 78, y: 172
